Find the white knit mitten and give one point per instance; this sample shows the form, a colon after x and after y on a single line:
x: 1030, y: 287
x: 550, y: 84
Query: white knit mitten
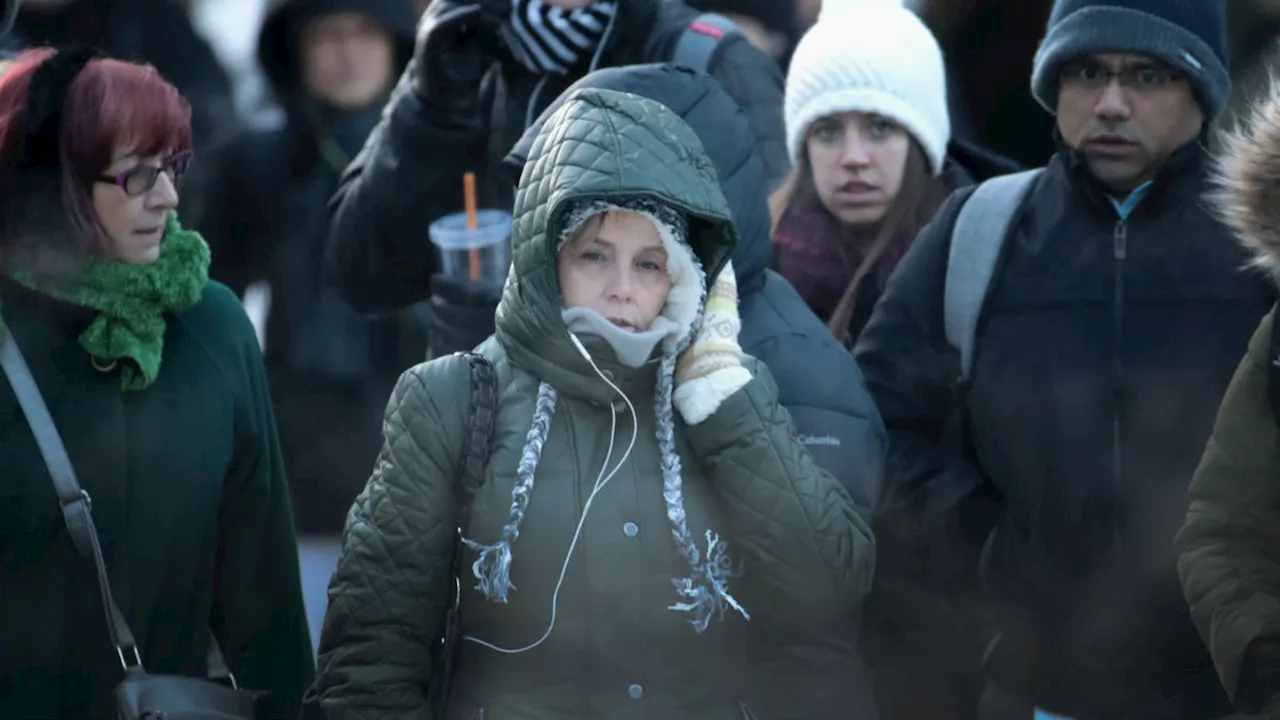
x: 711, y: 370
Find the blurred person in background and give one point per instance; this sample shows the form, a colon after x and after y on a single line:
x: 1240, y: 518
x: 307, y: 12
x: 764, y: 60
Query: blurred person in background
x: 771, y: 25
x: 989, y: 46
x: 157, y: 32
x: 153, y: 379
x: 331, y: 64
x: 1254, y: 28
x: 482, y: 73
x: 869, y: 131
x: 1042, y: 483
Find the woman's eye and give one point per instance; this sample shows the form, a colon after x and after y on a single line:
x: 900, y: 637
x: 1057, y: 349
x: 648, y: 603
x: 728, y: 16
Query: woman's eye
x: 881, y: 127
x: 826, y: 132
x: 592, y: 256
x: 651, y: 266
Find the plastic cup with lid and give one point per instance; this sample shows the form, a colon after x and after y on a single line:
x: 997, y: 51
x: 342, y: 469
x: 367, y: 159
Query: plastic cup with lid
x: 479, y: 255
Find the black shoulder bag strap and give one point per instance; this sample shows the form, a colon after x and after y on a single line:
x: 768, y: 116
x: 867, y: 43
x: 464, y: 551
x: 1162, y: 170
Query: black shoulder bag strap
x: 484, y: 409
x: 77, y: 506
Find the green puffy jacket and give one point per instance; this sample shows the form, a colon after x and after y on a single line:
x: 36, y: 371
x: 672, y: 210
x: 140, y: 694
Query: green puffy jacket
x: 1227, y: 548
x: 616, y: 650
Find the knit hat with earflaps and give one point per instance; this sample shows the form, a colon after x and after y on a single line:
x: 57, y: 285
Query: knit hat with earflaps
x: 704, y: 591
x: 872, y: 56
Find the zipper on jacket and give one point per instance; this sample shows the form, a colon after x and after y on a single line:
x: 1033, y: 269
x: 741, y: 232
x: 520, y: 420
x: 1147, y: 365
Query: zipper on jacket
x: 1120, y: 244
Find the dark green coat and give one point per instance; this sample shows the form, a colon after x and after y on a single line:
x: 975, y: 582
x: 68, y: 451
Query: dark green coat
x: 616, y: 650
x: 191, y: 505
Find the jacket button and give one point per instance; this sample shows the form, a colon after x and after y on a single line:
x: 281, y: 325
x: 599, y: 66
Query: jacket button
x: 630, y: 529
x: 635, y: 692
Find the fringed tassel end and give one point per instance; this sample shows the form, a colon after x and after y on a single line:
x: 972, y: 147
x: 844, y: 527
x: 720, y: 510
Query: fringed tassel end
x: 493, y: 570
x: 706, y: 592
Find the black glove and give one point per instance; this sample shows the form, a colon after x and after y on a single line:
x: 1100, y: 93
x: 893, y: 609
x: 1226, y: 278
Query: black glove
x: 462, y: 314
x: 456, y: 40
x: 1260, y: 679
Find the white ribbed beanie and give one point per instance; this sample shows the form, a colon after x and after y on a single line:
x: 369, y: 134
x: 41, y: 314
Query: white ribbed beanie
x: 870, y: 56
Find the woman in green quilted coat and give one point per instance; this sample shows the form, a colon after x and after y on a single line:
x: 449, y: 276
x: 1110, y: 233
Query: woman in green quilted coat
x: 648, y: 528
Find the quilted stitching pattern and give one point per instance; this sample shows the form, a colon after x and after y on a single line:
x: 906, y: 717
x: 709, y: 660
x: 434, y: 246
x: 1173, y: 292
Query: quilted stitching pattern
x: 807, y: 557
x: 810, y: 556
x: 388, y: 596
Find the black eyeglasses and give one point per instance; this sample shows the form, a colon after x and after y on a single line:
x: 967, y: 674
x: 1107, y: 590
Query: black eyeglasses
x: 140, y: 179
x: 1138, y: 78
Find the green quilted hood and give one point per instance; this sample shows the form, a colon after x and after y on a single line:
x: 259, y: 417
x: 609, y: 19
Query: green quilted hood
x: 600, y: 145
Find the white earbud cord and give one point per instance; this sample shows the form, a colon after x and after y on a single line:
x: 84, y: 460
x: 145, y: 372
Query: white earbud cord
x: 601, y: 481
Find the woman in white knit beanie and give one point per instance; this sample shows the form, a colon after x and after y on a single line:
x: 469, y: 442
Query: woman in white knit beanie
x: 867, y: 127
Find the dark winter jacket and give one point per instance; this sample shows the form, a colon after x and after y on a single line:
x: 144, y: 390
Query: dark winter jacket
x: 1103, y: 340
x: 330, y: 368
x: 1228, y: 563
x: 410, y: 172
x: 616, y: 650
x: 818, y: 381
x: 190, y: 502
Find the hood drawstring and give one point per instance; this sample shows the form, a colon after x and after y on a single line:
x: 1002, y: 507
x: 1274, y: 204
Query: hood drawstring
x: 706, y: 591
x: 494, y: 566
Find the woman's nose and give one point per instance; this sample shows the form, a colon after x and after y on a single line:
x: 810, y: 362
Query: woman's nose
x: 621, y: 285
x: 855, y: 151
x: 164, y: 196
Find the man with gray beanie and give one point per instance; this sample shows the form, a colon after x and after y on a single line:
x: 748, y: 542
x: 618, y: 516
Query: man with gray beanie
x: 1049, y: 358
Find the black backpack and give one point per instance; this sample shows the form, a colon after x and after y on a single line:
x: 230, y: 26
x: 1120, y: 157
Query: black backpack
x: 701, y: 40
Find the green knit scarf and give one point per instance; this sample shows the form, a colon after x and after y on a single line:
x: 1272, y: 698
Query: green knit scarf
x: 132, y: 300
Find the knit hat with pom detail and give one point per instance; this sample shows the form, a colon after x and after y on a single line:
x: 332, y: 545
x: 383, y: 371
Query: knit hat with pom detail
x: 871, y: 56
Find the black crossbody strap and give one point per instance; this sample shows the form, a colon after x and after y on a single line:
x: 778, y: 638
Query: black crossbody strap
x: 77, y: 506
x: 475, y: 457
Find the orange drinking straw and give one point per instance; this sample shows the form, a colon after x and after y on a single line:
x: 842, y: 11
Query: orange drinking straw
x: 473, y: 222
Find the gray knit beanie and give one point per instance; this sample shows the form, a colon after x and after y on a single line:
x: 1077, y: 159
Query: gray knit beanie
x: 1187, y: 35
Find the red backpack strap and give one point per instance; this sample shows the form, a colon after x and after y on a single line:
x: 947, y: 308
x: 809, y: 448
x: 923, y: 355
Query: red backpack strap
x: 701, y: 39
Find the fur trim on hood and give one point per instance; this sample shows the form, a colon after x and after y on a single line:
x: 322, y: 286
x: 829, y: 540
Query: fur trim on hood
x: 1247, y: 181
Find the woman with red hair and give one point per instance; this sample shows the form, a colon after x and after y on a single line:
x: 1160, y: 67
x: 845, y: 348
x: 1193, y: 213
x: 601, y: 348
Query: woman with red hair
x: 154, y: 382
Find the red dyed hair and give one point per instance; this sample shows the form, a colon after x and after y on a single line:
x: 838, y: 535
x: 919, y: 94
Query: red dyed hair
x: 111, y: 105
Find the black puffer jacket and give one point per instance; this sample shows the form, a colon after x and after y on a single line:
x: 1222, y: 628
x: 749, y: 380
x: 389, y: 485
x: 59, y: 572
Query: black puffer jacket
x: 818, y: 382
x: 331, y: 369
x: 1101, y: 339
x: 410, y: 172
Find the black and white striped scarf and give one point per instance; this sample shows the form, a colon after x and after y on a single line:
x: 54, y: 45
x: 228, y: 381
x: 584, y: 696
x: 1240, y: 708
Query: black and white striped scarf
x: 549, y: 39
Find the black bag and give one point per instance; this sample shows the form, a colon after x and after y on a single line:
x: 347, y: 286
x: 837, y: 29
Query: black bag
x: 140, y: 695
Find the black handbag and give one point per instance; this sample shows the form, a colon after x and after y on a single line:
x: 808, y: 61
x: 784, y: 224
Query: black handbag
x: 140, y: 696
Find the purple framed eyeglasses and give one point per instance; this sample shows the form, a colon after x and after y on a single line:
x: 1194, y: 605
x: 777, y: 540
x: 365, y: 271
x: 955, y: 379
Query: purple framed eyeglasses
x: 139, y: 180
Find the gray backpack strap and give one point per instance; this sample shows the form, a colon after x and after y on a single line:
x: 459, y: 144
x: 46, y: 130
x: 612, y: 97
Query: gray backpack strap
x: 976, y: 242
x: 700, y: 40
